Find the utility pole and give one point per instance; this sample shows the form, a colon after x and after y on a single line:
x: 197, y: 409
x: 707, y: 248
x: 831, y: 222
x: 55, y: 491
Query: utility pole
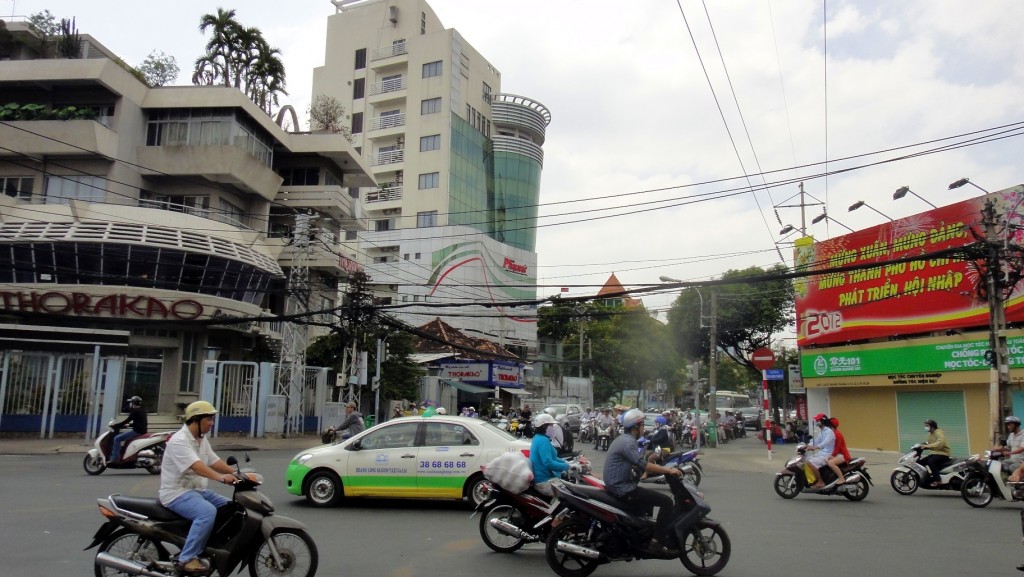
x: 713, y: 367
x: 291, y: 374
x: 999, y: 379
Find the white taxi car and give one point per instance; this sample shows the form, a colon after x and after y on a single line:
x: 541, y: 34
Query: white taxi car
x: 436, y: 457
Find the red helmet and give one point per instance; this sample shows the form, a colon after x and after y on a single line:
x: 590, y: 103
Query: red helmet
x: 835, y: 422
x: 821, y: 418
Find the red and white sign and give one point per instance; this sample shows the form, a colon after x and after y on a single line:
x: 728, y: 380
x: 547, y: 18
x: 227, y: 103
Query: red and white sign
x: 110, y: 306
x: 464, y: 371
x: 511, y: 266
x: 763, y: 359
x: 505, y: 375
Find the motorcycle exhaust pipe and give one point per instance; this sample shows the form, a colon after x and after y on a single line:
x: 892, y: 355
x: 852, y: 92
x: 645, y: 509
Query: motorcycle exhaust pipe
x: 510, y: 529
x: 126, y: 566
x: 577, y: 550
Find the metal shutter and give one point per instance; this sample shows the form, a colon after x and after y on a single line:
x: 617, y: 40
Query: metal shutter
x: 947, y: 408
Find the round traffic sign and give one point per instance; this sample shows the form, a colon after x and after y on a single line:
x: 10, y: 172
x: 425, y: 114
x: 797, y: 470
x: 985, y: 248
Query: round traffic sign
x: 763, y: 359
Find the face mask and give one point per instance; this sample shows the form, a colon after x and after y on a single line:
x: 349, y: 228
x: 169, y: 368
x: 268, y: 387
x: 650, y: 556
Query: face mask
x: 927, y: 429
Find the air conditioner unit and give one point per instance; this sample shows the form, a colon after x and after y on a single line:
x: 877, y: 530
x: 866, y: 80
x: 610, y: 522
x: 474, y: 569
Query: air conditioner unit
x: 390, y: 211
x: 393, y: 14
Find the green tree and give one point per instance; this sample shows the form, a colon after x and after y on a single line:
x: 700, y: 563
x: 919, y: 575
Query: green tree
x: 159, y: 69
x: 48, y: 28
x: 326, y: 113
x: 69, y: 44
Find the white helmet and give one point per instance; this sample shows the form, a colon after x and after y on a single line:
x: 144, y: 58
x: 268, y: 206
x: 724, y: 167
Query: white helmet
x: 542, y: 419
x: 632, y: 418
x: 551, y: 411
x: 441, y: 411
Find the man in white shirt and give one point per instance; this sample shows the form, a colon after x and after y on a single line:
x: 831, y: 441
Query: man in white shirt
x: 1014, y: 447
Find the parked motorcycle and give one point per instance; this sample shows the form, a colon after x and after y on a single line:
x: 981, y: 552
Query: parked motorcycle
x: 511, y: 520
x: 595, y: 528
x: 790, y: 481
x: 140, y: 534
x: 907, y: 476
x: 143, y: 452
x: 688, y: 463
x: 985, y: 480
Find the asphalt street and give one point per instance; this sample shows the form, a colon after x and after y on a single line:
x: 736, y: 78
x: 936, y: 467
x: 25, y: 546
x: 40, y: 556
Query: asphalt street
x: 49, y: 515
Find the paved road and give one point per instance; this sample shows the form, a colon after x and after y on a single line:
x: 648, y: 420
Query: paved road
x: 49, y: 514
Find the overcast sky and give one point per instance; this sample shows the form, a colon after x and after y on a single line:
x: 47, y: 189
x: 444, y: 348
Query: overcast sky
x: 632, y: 111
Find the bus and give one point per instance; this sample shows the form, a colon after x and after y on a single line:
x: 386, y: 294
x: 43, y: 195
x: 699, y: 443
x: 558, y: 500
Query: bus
x: 731, y: 400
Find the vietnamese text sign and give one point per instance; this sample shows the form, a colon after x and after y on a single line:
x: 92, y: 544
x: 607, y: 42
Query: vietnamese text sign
x: 926, y: 358
x: 775, y: 375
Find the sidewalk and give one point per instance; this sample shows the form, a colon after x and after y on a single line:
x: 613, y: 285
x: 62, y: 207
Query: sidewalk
x: 36, y: 446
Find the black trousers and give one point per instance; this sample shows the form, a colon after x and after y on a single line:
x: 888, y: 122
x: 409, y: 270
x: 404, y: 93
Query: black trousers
x: 645, y: 500
x: 935, y: 463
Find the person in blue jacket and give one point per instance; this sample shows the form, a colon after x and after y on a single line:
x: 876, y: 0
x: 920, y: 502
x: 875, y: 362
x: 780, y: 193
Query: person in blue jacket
x: 543, y: 456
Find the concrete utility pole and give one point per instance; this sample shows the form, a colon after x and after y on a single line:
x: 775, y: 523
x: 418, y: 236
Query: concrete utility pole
x: 713, y: 366
x: 999, y: 358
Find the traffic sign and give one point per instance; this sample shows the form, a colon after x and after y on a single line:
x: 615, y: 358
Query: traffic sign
x: 775, y: 374
x: 763, y: 359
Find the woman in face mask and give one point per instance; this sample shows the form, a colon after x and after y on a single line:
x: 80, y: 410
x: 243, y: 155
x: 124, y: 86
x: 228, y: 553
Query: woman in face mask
x: 543, y: 457
x: 940, y: 451
x: 824, y: 444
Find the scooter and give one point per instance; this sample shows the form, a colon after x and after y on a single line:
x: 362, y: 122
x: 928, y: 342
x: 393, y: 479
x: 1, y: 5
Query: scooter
x: 790, y: 481
x: 586, y: 430
x: 688, y: 463
x: 143, y: 452
x: 595, y: 528
x: 906, y: 477
x: 511, y: 520
x: 985, y: 480
x: 604, y: 436
x: 140, y: 535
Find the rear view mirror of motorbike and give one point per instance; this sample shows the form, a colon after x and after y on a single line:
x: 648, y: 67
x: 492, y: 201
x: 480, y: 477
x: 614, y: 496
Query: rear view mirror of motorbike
x: 232, y: 461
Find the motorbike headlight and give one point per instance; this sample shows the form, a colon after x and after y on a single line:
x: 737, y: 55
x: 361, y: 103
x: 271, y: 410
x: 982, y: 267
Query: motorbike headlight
x: 301, y: 459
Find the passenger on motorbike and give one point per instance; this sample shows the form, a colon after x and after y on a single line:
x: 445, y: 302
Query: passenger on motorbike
x: 840, y: 454
x: 661, y: 437
x: 623, y: 459
x: 1014, y: 447
x: 543, y: 455
x: 603, y: 420
x: 138, y: 420
x: 824, y: 443
x: 187, y: 464
x: 940, y: 452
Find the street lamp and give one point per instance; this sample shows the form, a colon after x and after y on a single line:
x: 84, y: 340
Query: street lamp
x: 697, y: 290
x: 826, y: 217
x: 963, y: 181
x: 787, y: 229
x: 903, y: 190
x: 861, y: 203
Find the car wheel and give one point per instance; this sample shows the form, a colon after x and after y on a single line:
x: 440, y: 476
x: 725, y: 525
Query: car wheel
x: 476, y: 490
x: 323, y: 489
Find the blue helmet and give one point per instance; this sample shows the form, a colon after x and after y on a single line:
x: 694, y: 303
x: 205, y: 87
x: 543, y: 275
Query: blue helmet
x: 659, y: 420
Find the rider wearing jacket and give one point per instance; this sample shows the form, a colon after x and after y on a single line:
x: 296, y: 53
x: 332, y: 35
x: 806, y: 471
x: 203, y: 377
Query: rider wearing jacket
x: 623, y: 459
x: 138, y: 420
x: 940, y: 451
x: 543, y: 457
x: 824, y: 443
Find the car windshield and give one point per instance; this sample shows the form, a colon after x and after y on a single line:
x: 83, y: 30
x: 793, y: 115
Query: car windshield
x: 500, y: 432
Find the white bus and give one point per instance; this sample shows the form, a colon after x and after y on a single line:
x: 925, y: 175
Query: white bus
x: 731, y: 400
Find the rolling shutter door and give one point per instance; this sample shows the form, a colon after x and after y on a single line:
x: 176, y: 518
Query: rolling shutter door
x: 947, y: 408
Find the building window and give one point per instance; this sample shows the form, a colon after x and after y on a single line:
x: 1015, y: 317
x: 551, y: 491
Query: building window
x: 487, y: 92
x: 432, y: 142
x: 360, y: 59
x: 350, y: 235
x: 17, y: 186
x: 357, y: 122
x: 380, y: 260
x: 383, y: 224
x: 423, y: 22
x: 430, y: 106
x: 431, y: 69
x: 417, y: 256
x: 300, y: 176
x: 208, y: 127
x: 358, y: 88
x: 229, y: 213
x: 61, y: 189
x: 189, y: 366
x: 429, y: 180
x: 426, y: 219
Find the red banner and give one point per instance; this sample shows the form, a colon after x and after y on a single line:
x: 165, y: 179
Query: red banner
x: 901, y: 298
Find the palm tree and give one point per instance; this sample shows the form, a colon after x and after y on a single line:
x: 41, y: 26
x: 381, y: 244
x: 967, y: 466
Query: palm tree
x: 224, y: 35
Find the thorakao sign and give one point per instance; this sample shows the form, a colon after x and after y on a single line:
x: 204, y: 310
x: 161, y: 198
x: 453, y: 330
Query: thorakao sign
x: 111, y: 306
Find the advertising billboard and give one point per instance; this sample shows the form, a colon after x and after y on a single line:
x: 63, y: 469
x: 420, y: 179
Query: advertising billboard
x: 888, y: 298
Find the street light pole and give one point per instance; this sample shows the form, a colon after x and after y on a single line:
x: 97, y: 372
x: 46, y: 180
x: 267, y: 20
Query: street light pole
x: 713, y: 365
x: 1000, y: 373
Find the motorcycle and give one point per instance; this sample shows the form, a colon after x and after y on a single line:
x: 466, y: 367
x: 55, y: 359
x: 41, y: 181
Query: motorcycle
x: 511, y: 520
x: 514, y: 429
x: 907, y: 476
x: 604, y: 435
x: 688, y: 463
x: 587, y: 430
x: 136, y: 538
x: 790, y: 481
x: 985, y: 480
x: 595, y: 528
x: 143, y: 452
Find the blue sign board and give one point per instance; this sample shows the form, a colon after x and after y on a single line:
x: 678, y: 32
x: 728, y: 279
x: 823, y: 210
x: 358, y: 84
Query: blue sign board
x: 775, y: 374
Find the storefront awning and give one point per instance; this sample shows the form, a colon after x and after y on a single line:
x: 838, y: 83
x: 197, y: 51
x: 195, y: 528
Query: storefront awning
x: 469, y: 388
x: 517, y: 392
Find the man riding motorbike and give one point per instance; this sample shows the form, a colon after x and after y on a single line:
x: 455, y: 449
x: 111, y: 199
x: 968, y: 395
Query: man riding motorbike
x: 939, y: 457
x: 187, y: 464
x: 619, y: 478
x: 138, y: 420
x: 1014, y: 447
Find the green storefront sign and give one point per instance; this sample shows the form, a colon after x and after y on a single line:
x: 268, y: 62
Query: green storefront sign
x: 930, y: 358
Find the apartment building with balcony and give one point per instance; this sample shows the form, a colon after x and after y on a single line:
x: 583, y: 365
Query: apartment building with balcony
x: 457, y: 163
x: 153, y: 223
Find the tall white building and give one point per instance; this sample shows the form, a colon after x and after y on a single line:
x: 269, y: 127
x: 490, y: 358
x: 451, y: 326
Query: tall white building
x: 457, y: 162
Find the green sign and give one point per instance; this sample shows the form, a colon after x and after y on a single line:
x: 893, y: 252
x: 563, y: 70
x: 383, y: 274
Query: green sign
x: 931, y: 358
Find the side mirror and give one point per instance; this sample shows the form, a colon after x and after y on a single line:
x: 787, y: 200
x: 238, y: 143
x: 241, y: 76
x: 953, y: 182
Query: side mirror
x: 232, y: 461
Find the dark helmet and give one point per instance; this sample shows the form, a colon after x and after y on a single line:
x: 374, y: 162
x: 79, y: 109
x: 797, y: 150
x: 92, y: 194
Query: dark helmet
x: 931, y: 423
x: 135, y: 401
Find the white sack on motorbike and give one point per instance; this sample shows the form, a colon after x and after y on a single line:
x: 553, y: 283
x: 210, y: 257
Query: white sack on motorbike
x: 511, y: 471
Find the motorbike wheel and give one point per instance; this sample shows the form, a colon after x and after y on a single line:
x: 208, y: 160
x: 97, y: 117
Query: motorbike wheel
x: 859, y: 492
x: 298, y: 555
x: 585, y: 436
x: 567, y: 564
x: 787, y: 486
x: 324, y: 489
x: 976, y: 492
x: 93, y: 466
x: 904, y: 482
x: 495, y: 539
x: 132, y: 547
x: 693, y: 476
x: 706, y: 549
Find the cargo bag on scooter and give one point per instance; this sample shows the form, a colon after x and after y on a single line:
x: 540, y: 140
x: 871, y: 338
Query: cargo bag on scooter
x: 511, y: 471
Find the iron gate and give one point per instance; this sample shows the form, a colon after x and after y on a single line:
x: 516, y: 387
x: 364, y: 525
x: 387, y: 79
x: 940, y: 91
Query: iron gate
x: 47, y: 392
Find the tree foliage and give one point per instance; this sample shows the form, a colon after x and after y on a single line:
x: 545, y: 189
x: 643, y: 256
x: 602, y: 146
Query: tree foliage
x: 159, y: 69
x: 239, y: 56
x: 69, y: 44
x: 327, y: 113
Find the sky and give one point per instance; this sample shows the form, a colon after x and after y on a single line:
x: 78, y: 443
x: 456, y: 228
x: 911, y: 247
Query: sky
x: 659, y: 108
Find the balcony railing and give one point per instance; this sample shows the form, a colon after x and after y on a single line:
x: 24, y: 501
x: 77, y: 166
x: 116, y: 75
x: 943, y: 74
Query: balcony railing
x: 389, y: 51
x: 389, y: 157
x: 389, y: 85
x: 384, y: 194
x: 192, y: 210
x: 385, y: 122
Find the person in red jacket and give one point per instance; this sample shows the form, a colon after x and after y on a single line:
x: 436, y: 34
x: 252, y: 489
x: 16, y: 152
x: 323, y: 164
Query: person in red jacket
x: 840, y: 454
